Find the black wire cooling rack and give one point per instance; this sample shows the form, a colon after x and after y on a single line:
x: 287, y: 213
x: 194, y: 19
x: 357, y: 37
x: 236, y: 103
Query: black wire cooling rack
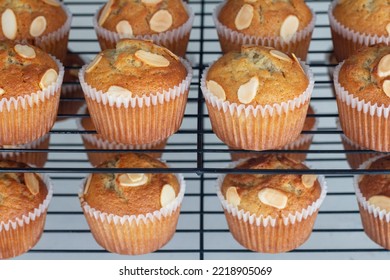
x: 196, y: 152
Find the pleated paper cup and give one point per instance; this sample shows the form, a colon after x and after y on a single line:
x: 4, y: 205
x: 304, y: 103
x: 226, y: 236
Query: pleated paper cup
x: 269, y: 234
x: 37, y: 159
x: 134, y: 234
x: 138, y: 120
x: 346, y: 41
x: 231, y: 40
x: 19, y: 235
x: 29, y: 117
x: 258, y: 127
x: 376, y: 222
x: 364, y: 123
x: 175, y: 40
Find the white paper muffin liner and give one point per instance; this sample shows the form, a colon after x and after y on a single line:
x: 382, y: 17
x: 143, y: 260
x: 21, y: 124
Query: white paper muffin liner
x: 258, y: 127
x: 138, y: 120
x: 376, y: 222
x: 134, y: 234
x: 266, y: 233
x: 175, y: 40
x: 346, y: 41
x: 29, y: 117
x: 233, y: 40
x: 19, y: 235
x: 366, y: 124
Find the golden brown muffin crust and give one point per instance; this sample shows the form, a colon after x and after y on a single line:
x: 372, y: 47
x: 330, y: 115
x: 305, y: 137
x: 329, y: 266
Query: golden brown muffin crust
x: 106, y: 194
x: 268, y: 15
x: 15, y: 198
x: 249, y: 185
x: 27, y: 10
x: 121, y: 67
x: 364, y: 16
x: 378, y: 184
x: 279, y: 80
x: 19, y: 75
x: 359, y: 75
x: 139, y: 15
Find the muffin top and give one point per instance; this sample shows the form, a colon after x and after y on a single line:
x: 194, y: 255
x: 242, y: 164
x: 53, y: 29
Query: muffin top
x: 376, y: 188
x: 130, y: 193
x: 24, y: 69
x: 20, y: 193
x: 267, y: 18
x: 256, y: 76
x: 27, y: 19
x: 366, y: 74
x: 364, y: 16
x: 271, y: 195
x: 135, y: 68
x: 135, y: 17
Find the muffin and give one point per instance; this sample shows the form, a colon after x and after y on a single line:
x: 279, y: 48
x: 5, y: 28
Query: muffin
x: 373, y: 195
x: 96, y: 142
x: 137, y: 93
x: 271, y: 213
x: 358, y: 23
x: 362, y: 84
x: 283, y: 25
x: 257, y: 98
x: 37, y: 159
x: 302, y: 143
x: 45, y: 24
x: 24, y: 199
x: 71, y: 89
x: 132, y: 213
x: 165, y: 22
x: 30, y: 86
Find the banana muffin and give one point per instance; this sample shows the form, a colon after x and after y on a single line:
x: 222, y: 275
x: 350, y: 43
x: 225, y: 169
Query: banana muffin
x: 143, y: 207
x: 358, y: 23
x: 166, y: 22
x: 257, y: 98
x: 362, y: 85
x: 44, y: 23
x: 284, y: 206
x: 30, y: 86
x: 373, y: 194
x: 24, y: 198
x: 136, y: 93
x: 284, y: 25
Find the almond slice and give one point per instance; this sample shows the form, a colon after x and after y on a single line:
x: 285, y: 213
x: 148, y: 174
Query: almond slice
x: 93, y: 64
x: 248, y: 91
x: 38, y: 26
x: 299, y: 64
x: 152, y: 59
x: 216, y: 89
x: 280, y: 55
x: 232, y: 196
x: 32, y: 183
x: 105, y: 12
x: 9, y: 24
x: 308, y: 180
x: 132, y: 180
x: 54, y: 3
x: 384, y: 66
x: 388, y: 28
x: 161, y: 21
x: 87, y: 183
x: 273, y: 198
x: 386, y: 87
x: 289, y: 27
x: 381, y: 201
x: 48, y: 78
x: 244, y: 17
x: 151, y: 2
x: 167, y: 195
x: 25, y: 51
x: 124, y: 29
x: 117, y: 91
x: 2, y: 91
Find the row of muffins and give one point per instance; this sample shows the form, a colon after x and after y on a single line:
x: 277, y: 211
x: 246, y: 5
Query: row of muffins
x: 137, y: 213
